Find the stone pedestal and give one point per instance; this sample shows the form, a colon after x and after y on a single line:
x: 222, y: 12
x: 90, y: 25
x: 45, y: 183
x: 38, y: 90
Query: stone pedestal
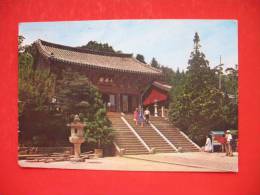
x: 77, y: 137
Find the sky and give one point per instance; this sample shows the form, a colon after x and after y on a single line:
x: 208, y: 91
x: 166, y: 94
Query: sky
x: 169, y: 41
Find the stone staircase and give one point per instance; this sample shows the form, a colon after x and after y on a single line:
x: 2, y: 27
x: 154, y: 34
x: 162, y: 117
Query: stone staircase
x: 173, y: 134
x: 124, y: 137
x: 150, y: 136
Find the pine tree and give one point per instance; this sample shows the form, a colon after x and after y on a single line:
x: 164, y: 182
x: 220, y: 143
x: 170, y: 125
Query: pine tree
x: 77, y: 95
x: 154, y: 63
x: 177, y: 82
x: 199, y: 106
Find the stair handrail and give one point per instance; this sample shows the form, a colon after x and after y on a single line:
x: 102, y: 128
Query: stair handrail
x: 165, y: 138
x: 190, y: 140
x: 117, y: 147
x: 136, y: 134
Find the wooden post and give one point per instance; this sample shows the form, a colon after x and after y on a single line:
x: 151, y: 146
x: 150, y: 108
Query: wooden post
x: 163, y: 111
x: 118, y: 102
x: 155, y: 109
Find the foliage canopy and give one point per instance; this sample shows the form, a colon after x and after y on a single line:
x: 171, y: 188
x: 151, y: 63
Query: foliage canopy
x: 77, y: 95
x: 200, y: 106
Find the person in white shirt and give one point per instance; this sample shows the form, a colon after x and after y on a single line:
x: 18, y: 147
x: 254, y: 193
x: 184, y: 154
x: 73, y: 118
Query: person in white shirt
x: 208, y: 145
x: 108, y: 106
x: 228, y: 137
x: 147, y: 115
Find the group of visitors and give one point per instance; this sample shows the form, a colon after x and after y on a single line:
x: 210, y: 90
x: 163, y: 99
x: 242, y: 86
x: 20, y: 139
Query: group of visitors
x: 225, y: 144
x: 140, y: 117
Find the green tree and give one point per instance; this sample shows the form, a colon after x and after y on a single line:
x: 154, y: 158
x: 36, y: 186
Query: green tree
x: 177, y: 81
x: 231, y: 81
x: 231, y: 87
x: 199, y: 107
x: 100, y: 47
x: 35, y: 87
x: 140, y: 57
x: 77, y: 95
x: 154, y: 63
x: 168, y: 74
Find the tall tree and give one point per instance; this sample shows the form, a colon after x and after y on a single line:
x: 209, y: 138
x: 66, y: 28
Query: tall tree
x: 199, y: 107
x: 231, y: 86
x: 177, y: 81
x: 168, y: 74
x: 154, y: 63
x: 35, y: 89
x: 231, y: 81
x: 35, y: 86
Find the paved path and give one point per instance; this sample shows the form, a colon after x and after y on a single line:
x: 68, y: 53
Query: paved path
x: 210, y: 161
x: 197, y: 161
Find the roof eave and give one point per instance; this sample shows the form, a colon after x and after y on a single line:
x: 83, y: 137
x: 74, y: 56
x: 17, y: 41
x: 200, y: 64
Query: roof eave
x: 92, y: 66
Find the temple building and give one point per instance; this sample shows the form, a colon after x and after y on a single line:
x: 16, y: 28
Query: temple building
x: 125, y: 82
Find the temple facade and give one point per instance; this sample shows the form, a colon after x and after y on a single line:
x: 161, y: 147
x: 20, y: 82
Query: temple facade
x: 124, y: 82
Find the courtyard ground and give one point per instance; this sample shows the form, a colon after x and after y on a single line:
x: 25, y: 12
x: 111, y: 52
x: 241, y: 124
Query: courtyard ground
x: 193, y: 161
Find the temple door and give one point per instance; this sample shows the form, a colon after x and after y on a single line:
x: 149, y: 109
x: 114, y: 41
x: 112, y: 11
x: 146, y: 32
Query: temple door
x: 134, y: 103
x: 112, y: 100
x: 125, y: 103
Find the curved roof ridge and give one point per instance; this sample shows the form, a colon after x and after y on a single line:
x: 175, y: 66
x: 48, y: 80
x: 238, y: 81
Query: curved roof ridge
x: 41, y: 48
x: 83, y: 50
x: 125, y: 63
x: 162, y: 85
x: 147, y: 65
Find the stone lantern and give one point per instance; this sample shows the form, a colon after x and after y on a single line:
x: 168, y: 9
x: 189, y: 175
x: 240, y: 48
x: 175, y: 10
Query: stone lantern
x: 77, y: 136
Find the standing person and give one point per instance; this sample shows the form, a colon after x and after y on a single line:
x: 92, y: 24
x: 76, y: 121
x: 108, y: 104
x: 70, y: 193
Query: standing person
x: 208, y: 145
x: 108, y: 106
x: 229, y: 147
x: 141, y: 117
x: 147, y: 115
x: 136, y: 116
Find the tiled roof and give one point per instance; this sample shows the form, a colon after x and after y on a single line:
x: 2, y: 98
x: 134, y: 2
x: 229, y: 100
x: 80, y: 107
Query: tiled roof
x: 162, y: 86
x: 93, y: 59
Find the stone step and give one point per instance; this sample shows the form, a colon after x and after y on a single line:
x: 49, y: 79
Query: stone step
x: 124, y: 132
x: 173, y: 134
x: 135, y: 152
x: 132, y: 148
x: 124, y: 137
x: 127, y: 140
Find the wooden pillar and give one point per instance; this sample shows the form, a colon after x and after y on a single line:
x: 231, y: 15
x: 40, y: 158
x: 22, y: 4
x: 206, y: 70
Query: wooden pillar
x: 118, y: 102
x: 155, y: 109
x: 163, y: 111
